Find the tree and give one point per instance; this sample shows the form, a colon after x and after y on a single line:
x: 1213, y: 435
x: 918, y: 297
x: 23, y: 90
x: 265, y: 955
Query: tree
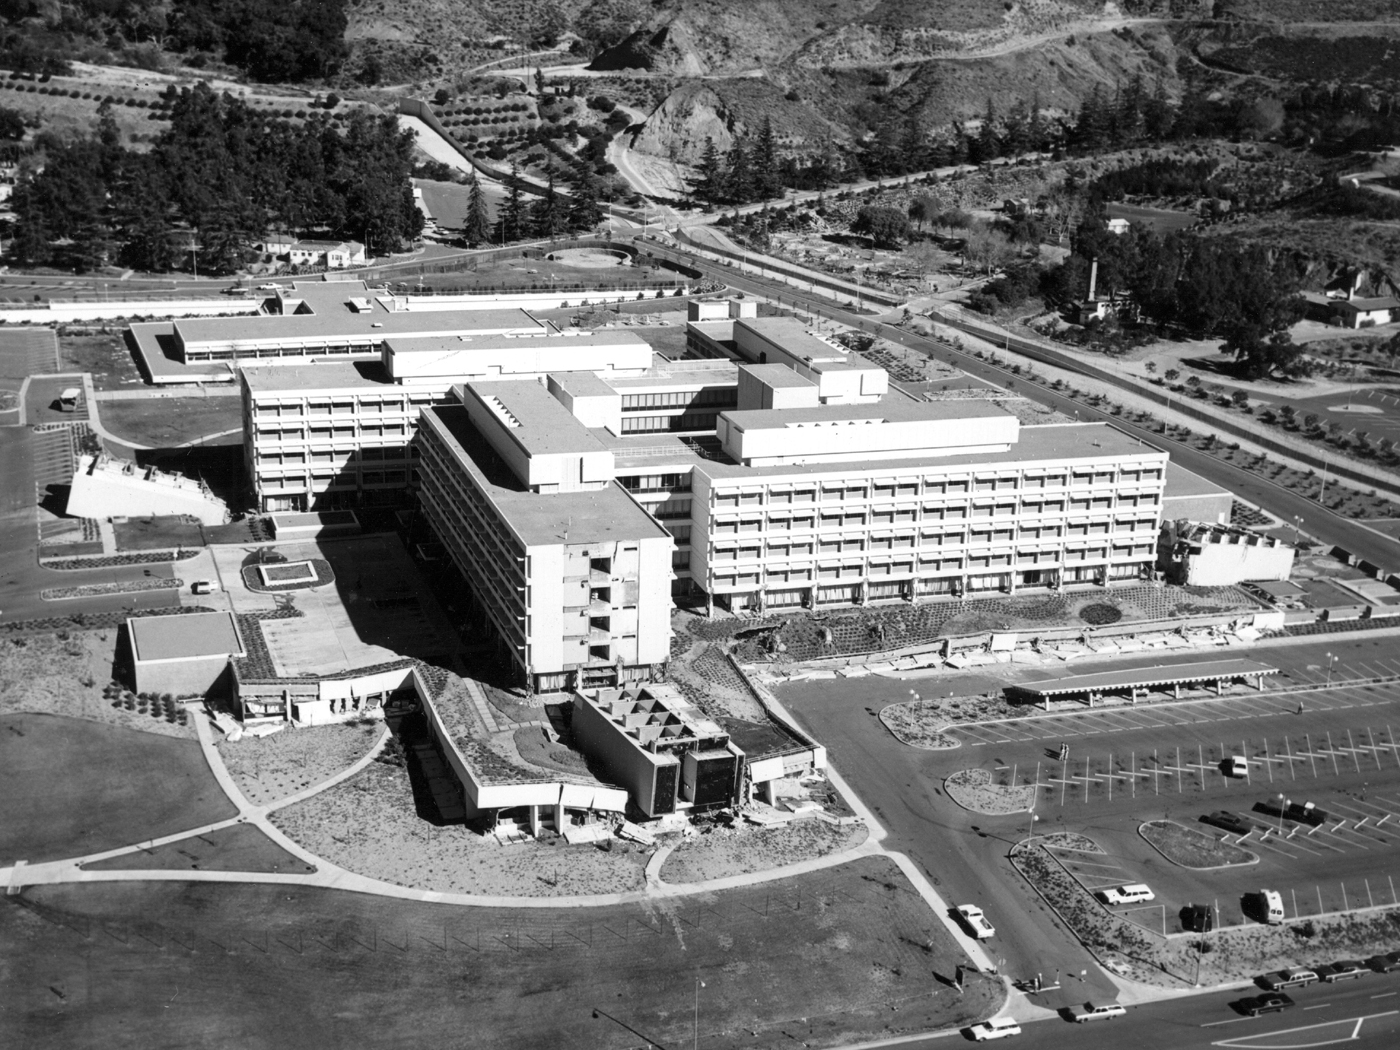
x: 1171, y: 375
x: 988, y: 248
x: 765, y: 163
x: 709, y: 176
x: 885, y: 226
x: 11, y: 124
x: 584, y: 212
x: 1239, y: 398
x: 476, y: 226
x: 547, y: 216
x: 738, y: 178
x: 511, y: 224
x: 922, y: 210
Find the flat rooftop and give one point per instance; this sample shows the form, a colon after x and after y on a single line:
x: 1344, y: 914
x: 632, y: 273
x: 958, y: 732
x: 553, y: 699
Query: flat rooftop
x: 883, y: 411
x: 1182, y: 483
x: 540, y: 519
x: 191, y: 636
x: 155, y: 346
x: 777, y: 376
x: 1051, y: 445
x: 319, y: 375
x: 671, y: 375
x: 342, y: 321
x: 1146, y: 677
x: 535, y: 419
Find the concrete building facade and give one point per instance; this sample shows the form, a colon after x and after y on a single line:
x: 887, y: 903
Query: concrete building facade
x: 572, y: 575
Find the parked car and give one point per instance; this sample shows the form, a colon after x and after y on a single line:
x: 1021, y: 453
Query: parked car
x: 1343, y: 970
x: 1269, y: 1003
x: 1294, y: 977
x: 1198, y: 918
x: 1384, y: 963
x: 996, y: 1028
x: 203, y: 587
x: 1227, y: 821
x: 1133, y: 893
x: 971, y: 917
x: 1098, y: 1013
x: 1305, y: 813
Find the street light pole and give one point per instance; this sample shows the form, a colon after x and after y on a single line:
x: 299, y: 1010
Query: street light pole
x: 1330, y: 660
x: 695, y: 1032
x: 1282, y: 806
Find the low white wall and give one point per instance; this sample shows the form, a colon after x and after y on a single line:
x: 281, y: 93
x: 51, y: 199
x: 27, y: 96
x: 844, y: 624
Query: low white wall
x: 531, y: 300
x: 66, y: 313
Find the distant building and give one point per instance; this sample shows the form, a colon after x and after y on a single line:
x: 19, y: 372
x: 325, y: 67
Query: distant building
x: 1207, y: 555
x: 333, y: 255
x: 1118, y: 227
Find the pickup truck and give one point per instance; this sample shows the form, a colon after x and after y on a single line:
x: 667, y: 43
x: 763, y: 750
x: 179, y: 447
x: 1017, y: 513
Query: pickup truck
x: 975, y: 921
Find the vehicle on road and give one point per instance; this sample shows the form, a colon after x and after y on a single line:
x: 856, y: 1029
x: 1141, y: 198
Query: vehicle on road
x: 1343, y: 970
x: 975, y: 921
x: 1134, y: 893
x: 1384, y: 963
x: 203, y: 587
x: 996, y: 1028
x: 1227, y: 821
x: 1269, y: 1003
x: 1294, y: 977
x: 1098, y: 1013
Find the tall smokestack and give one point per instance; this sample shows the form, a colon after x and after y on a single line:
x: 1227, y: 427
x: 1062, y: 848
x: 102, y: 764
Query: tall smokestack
x: 1093, y: 277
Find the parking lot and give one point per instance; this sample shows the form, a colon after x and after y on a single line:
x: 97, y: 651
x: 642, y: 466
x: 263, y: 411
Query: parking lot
x: 1130, y: 765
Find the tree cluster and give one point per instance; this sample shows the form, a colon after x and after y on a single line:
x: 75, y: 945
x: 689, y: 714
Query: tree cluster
x: 748, y: 172
x: 213, y: 183
x: 1207, y: 287
x: 550, y: 215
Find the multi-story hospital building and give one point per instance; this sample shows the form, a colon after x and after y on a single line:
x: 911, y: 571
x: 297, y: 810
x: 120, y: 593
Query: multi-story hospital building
x: 579, y: 483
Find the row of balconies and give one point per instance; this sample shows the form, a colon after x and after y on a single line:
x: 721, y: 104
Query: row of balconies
x: 721, y: 581
x: 719, y: 498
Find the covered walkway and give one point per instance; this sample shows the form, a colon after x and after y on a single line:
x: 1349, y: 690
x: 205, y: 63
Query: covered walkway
x: 1137, y: 682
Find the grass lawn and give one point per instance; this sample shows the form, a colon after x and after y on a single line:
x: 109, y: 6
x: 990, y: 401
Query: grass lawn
x: 272, y: 767
x: 241, y: 847
x: 105, y: 356
x: 163, y: 422
x: 157, y: 534
x: 828, y: 958
x: 73, y: 787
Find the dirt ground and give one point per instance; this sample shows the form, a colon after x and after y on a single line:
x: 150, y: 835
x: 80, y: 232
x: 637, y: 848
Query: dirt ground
x: 1192, y: 848
x: 368, y: 825
x: 973, y: 789
x: 272, y: 767
x: 744, y: 848
x: 52, y: 674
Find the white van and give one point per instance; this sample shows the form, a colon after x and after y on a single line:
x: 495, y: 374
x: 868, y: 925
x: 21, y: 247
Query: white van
x: 1239, y: 766
x: 1271, y: 906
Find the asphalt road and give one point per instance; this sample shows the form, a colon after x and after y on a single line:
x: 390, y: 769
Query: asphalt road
x: 1283, y: 503
x: 965, y: 854
x: 1363, y: 1012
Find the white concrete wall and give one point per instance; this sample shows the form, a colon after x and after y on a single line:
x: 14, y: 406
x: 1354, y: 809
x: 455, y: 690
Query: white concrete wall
x: 1221, y: 564
x: 654, y: 600
x: 545, y: 611
x: 780, y: 443
x: 63, y: 313
x: 527, y: 300
x: 522, y: 358
x: 103, y: 493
